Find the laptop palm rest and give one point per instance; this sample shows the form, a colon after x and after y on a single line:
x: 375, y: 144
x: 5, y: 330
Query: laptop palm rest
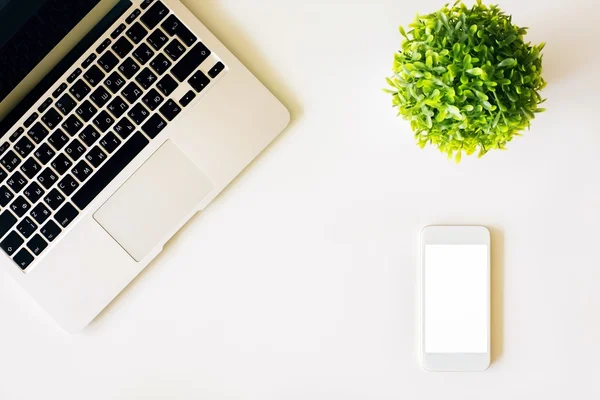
x: 154, y: 201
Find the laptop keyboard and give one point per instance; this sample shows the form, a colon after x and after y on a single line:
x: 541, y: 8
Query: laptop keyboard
x: 93, y: 125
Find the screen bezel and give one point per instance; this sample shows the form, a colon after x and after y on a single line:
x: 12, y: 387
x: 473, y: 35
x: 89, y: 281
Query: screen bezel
x: 453, y: 235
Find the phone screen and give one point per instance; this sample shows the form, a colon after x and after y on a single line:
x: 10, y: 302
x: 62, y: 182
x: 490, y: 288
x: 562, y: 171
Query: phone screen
x: 456, y: 294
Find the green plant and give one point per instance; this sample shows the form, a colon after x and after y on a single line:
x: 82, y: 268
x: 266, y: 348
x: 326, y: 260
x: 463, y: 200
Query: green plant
x: 466, y: 80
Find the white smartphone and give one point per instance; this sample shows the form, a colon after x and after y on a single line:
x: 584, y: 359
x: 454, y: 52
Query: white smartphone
x: 455, y: 298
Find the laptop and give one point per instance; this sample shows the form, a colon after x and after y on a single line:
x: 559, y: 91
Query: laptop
x: 120, y: 120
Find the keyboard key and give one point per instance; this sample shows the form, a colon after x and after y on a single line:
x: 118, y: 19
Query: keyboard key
x: 170, y: 110
x: 26, y: 227
x: 37, y: 244
x: 5, y: 196
x: 30, y: 167
x: 173, y: 26
x: 199, y: 81
x: 117, y: 107
x: 44, y: 153
x: 81, y: 171
x: 88, y: 61
x: 44, y: 106
x: 3, y: 175
x: 5, y: 146
x: 103, y: 46
x: 100, y: 96
x: 74, y: 75
x: 79, y: 90
x: 94, y: 75
x: 167, y: 85
x: 154, y: 126
x: 190, y: 62
x: 118, y: 31
x: 58, y: 139
x: 30, y: 120
x: 122, y: 47
x: 132, y: 92
x: 68, y: 185
x: 216, y: 70
x: 86, y: 111
x: 129, y: 68
x: 146, y: 3
x: 154, y: 15
x: 40, y: 213
x: 7, y: 221
x: 110, y: 142
x: 10, y: 161
x: 47, y: 178
x: 54, y: 199
x: 152, y: 99
x: 95, y: 156
x: 187, y: 98
x: 72, y: 125
x: 59, y: 90
x: 114, y: 82
x: 16, y: 134
x: 110, y: 170
x: 38, y: 132
x: 65, y: 104
x: 108, y: 61
x: 89, y: 135
x: 157, y: 39
x: 143, y: 53
x: 61, y: 164
x: 20, y: 206
x: 11, y: 243
x: 160, y: 64
x: 66, y: 215
x: 33, y: 192
x: 16, y: 182
x: 136, y: 32
x: 124, y: 128
x: 50, y: 231
x: 133, y: 16
x: 146, y: 78
x: 24, y: 147
x: 103, y: 121
x: 174, y: 49
x: 23, y: 259
x: 138, y: 113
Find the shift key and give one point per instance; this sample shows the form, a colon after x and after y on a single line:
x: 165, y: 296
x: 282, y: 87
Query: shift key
x: 190, y: 62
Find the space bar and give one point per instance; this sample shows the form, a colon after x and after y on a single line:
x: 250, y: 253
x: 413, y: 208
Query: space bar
x: 110, y: 170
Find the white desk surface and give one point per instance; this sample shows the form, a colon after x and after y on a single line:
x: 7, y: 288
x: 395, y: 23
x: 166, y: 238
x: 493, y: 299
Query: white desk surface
x: 299, y: 282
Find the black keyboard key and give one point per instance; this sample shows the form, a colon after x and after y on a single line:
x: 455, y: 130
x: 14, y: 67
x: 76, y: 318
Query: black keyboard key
x: 138, y: 113
x: 15, y: 135
x: 37, y: 244
x: 86, y: 111
x: 74, y: 75
x: 114, y: 82
x: 157, y: 39
x: 38, y: 132
x: 5, y: 196
x: 89, y: 135
x: 108, y: 61
x: 124, y: 128
x: 117, y: 107
x: 136, y: 32
x: 44, y: 153
x: 7, y: 221
x: 216, y: 70
x: 58, y: 139
x: 65, y: 104
x: 103, y: 46
x: 79, y: 90
x: 31, y: 167
x: 187, y: 98
x: 11, y: 243
x: 154, y: 126
x: 132, y: 92
x: 81, y: 171
x: 3, y: 175
x: 30, y: 120
x: 146, y: 3
x: 16, y: 182
x: 10, y: 161
x: 23, y: 259
x: 133, y: 16
x: 173, y: 26
x: 154, y: 15
x: 33, y: 192
x: 68, y: 185
x: 122, y: 47
x: 72, y: 125
x: 110, y: 142
x: 52, y: 118
x: 170, y: 110
x: 26, y: 227
x: 174, y: 49
x: 50, y: 231
x: 5, y: 146
x: 167, y: 85
x: 199, y: 81
x: 95, y: 156
x: 61, y: 164
x: 143, y: 53
x: 104, y: 121
x: 54, y: 199
x: 160, y: 64
x: 88, y: 61
x: 146, y: 78
x: 66, y: 215
x: 44, y: 106
x: 94, y: 75
x: 47, y: 178
x: 20, y: 206
x: 152, y: 99
x: 59, y: 90
x: 75, y: 150
x: 110, y: 170
x: 190, y: 62
x: 117, y: 31
x: 24, y: 147
x: 100, y: 96
x: 40, y: 213
x: 129, y: 68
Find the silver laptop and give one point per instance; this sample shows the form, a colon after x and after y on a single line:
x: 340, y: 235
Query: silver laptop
x: 120, y: 120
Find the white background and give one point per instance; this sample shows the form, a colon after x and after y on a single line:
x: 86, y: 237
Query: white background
x: 300, y: 281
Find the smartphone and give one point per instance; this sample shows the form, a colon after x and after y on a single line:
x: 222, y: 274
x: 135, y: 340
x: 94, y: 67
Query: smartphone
x: 455, y: 298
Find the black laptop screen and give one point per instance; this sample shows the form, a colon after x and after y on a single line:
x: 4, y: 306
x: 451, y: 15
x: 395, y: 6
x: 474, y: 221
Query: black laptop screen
x: 29, y: 30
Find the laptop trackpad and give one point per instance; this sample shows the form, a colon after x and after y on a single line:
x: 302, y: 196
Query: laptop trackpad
x: 144, y: 212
